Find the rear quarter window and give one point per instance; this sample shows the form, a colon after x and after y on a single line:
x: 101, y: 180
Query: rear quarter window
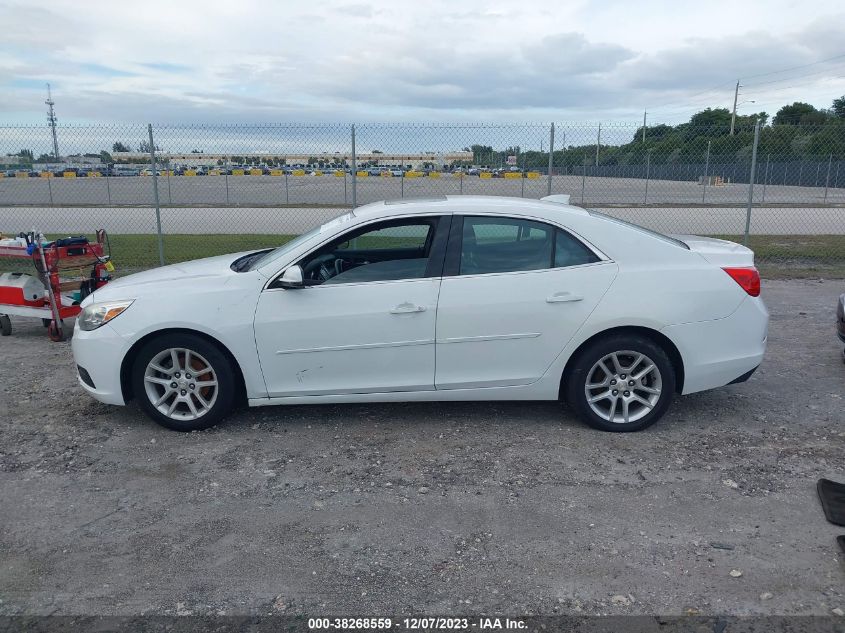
x: 637, y: 227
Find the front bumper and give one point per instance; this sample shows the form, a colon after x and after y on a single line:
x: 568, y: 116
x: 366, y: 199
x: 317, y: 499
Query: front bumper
x: 100, y: 353
x: 840, y: 318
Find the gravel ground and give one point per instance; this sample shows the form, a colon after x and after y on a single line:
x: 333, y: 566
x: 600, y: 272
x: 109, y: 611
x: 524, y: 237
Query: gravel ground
x: 429, y: 508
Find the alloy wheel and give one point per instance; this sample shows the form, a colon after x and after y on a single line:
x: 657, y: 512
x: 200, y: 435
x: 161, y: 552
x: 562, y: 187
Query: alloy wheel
x: 180, y: 384
x: 623, y: 387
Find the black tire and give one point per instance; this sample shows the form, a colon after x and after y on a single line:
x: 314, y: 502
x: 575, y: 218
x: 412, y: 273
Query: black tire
x: 210, y: 353
x: 584, y: 363
x: 5, y: 325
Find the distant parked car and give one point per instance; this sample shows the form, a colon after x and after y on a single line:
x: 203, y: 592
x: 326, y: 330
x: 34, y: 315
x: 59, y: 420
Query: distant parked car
x: 122, y: 170
x: 396, y: 172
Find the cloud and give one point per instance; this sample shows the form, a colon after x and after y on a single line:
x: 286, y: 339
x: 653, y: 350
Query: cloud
x: 345, y: 61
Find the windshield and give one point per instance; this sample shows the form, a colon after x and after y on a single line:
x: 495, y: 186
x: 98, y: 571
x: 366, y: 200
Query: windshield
x: 661, y: 236
x: 269, y: 256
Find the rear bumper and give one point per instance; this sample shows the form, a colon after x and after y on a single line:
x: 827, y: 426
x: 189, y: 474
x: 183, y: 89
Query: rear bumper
x: 723, y: 351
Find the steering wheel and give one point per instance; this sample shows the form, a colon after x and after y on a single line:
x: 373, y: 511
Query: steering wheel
x: 318, y: 266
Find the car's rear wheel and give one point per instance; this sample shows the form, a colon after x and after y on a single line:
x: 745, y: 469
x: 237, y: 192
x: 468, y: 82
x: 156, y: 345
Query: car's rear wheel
x: 183, y: 382
x: 621, y: 383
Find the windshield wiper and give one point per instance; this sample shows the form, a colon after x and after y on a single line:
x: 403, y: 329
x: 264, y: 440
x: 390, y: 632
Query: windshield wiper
x: 242, y: 264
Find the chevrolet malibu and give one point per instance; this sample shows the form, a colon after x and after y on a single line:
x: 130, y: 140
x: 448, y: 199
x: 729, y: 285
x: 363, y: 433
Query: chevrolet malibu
x: 450, y: 298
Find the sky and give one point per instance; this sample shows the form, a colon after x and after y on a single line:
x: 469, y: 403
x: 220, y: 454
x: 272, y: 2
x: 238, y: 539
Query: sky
x: 238, y: 61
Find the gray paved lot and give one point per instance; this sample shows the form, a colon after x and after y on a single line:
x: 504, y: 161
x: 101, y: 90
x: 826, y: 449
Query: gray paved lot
x: 286, y: 220
x: 328, y: 189
x: 429, y: 508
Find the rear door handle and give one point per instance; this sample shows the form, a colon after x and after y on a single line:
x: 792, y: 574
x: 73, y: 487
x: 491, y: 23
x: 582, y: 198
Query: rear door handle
x: 563, y: 297
x: 406, y: 308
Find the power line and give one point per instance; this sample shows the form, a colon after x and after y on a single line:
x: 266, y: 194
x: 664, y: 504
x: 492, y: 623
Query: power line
x: 800, y: 85
x: 776, y: 81
x: 785, y: 70
x: 687, y: 104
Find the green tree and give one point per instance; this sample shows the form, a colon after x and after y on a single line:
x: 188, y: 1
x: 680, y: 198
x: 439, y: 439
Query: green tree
x: 120, y: 147
x: 712, y: 117
x: 838, y: 108
x: 144, y: 147
x: 799, y: 113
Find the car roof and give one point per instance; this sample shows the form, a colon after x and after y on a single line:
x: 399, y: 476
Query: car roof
x: 464, y: 205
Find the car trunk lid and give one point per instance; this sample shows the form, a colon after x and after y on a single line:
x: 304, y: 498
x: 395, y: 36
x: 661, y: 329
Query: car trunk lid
x: 719, y: 252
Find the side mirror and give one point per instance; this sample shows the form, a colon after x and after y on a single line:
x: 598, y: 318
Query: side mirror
x: 292, y: 278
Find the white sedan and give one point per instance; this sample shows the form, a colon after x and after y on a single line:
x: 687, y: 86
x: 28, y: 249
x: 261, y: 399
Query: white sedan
x: 450, y: 298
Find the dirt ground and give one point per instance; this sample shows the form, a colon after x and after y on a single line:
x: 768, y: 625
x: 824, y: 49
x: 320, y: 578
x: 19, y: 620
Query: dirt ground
x: 508, y: 508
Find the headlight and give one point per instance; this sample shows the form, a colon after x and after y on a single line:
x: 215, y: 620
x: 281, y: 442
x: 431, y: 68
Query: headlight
x: 98, y: 314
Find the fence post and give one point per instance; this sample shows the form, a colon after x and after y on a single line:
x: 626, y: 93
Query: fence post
x: 169, y: 196
x: 522, y: 179
x: 155, y: 194
x: 108, y: 188
x: 583, y: 176
x: 563, y: 169
x: 647, y: 173
x: 402, y: 185
x: 827, y: 179
x: 706, y: 171
x: 50, y: 187
x: 226, y: 171
x: 551, y: 158
x: 766, y: 177
x: 598, y: 145
x: 354, y: 171
x: 751, y: 179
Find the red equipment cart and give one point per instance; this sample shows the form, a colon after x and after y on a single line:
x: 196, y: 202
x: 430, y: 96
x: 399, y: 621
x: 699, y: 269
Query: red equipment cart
x: 68, y: 271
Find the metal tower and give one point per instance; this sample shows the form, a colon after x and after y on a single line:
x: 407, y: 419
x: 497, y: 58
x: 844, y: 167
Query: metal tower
x: 51, y: 120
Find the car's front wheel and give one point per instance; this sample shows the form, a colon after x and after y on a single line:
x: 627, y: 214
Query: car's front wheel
x: 183, y: 382
x: 621, y: 383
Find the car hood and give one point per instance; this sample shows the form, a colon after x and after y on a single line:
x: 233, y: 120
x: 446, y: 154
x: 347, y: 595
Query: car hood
x: 186, y: 274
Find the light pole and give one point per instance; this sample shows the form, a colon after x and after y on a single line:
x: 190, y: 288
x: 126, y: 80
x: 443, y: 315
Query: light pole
x: 736, y: 105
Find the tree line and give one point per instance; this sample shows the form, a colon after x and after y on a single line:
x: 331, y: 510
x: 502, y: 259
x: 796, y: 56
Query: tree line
x: 798, y: 131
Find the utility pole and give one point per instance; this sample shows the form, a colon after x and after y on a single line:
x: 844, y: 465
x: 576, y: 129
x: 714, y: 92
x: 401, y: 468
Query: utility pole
x: 645, y: 112
x: 733, y: 113
x: 51, y: 120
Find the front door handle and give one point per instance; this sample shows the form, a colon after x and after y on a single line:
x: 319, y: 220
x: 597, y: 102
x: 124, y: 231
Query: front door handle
x: 406, y: 308
x: 563, y: 297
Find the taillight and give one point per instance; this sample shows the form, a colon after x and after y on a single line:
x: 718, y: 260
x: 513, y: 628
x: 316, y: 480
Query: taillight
x: 747, y: 278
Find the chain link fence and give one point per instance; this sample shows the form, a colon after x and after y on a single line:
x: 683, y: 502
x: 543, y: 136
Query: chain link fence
x: 212, y: 189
